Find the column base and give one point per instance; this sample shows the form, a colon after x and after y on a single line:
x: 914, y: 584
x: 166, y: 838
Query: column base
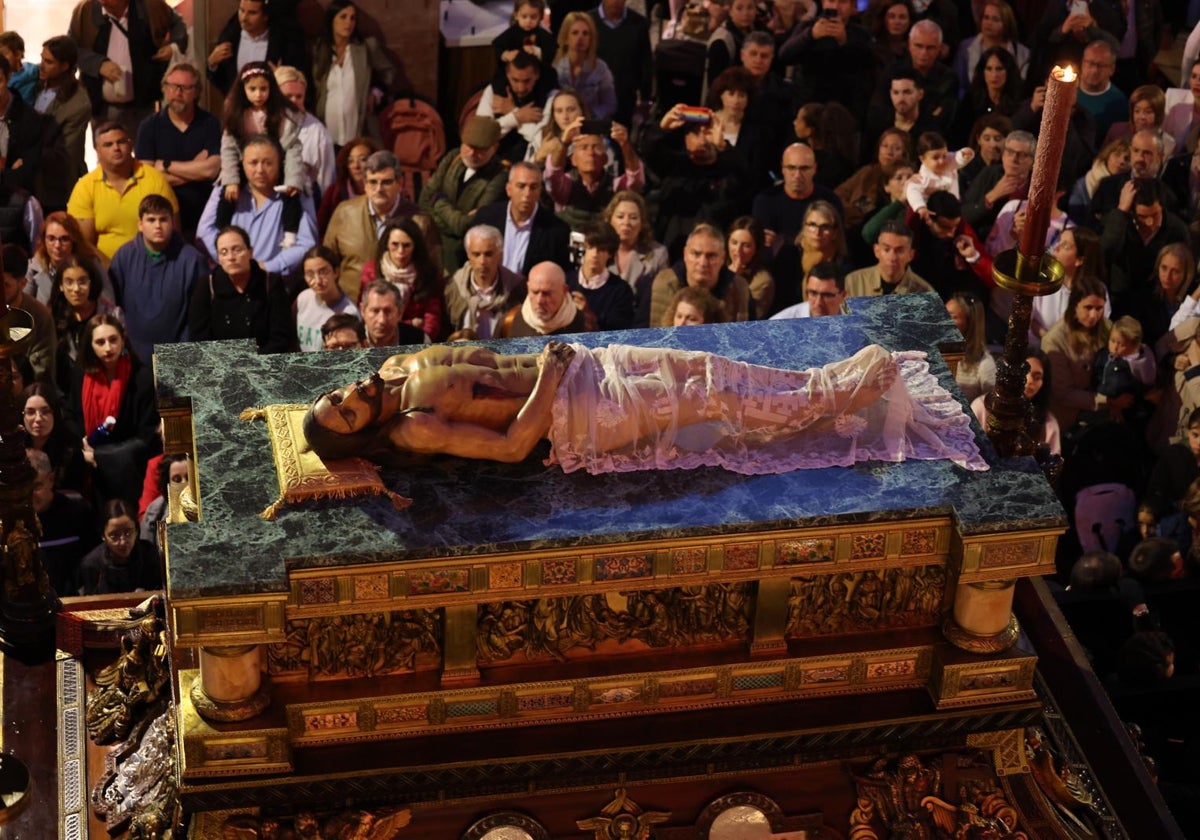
x: 229, y: 711
x: 974, y: 643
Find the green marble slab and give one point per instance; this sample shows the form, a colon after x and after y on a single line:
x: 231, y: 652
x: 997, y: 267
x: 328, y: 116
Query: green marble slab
x: 464, y: 507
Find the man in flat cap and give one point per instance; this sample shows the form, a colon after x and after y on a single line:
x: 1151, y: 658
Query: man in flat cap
x: 465, y: 180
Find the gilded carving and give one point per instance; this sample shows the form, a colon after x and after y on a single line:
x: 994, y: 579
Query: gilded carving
x: 741, y: 558
x: 689, y: 561
x: 370, y: 587
x: 624, y: 566
x: 355, y: 824
x: 865, y: 600
x: 131, y: 685
x: 436, y: 581
x: 360, y: 645
x: 392, y: 715
x: 918, y: 541
x: 911, y: 801
x: 623, y: 819
x: 891, y: 670
x: 318, y: 591
x: 559, y: 571
x: 796, y: 552
x: 558, y: 627
x: 228, y: 619
x: 138, y: 787
x: 867, y: 546
x: 505, y: 575
x: 1006, y: 555
x: 825, y: 674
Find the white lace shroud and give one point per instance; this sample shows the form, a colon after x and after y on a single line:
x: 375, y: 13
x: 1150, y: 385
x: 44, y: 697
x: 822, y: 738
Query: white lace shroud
x: 622, y: 408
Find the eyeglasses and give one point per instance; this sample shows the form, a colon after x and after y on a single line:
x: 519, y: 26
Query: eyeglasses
x: 39, y: 412
x: 171, y: 86
x: 232, y: 251
x: 821, y: 228
x: 119, y: 536
x: 318, y: 274
x: 1017, y: 153
x: 58, y: 240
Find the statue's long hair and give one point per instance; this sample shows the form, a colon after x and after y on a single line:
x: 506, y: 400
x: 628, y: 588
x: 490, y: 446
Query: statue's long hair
x: 372, y: 443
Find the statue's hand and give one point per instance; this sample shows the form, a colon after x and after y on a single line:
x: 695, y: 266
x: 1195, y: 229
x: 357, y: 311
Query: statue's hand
x: 556, y: 357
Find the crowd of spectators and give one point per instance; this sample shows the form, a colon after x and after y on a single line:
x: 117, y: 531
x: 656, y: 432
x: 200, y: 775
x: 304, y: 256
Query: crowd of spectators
x: 673, y: 164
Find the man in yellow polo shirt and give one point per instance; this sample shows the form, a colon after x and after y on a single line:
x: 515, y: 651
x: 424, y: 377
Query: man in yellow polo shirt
x: 105, y: 201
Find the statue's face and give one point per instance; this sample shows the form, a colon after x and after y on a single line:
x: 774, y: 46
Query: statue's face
x: 349, y: 409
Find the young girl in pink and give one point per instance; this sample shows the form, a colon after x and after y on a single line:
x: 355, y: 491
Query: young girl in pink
x: 255, y: 106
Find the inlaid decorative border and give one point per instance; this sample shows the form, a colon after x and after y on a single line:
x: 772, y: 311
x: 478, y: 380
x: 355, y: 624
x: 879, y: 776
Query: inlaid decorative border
x: 209, y: 752
x: 986, y: 681
x: 523, y: 704
x: 72, y: 750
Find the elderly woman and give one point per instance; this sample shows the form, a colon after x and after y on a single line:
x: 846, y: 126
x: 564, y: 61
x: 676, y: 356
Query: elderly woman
x: 579, y: 68
x: 240, y: 299
x: 61, y: 240
x: 352, y: 74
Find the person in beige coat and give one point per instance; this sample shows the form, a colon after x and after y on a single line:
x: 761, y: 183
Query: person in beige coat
x: 357, y: 223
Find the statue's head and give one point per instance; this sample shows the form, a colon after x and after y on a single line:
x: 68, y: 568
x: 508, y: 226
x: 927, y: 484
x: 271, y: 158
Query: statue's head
x: 341, y: 423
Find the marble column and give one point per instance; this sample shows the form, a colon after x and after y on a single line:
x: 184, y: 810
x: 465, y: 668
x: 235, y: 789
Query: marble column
x: 982, y: 620
x: 232, y: 685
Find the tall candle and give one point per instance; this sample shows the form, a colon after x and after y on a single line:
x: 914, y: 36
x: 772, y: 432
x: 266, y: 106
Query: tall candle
x: 1052, y: 138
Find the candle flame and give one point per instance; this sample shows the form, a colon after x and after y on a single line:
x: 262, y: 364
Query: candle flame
x: 1065, y: 74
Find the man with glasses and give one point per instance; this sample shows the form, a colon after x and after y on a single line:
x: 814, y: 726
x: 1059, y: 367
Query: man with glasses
x: 153, y: 277
x: 1107, y: 103
x: 1146, y: 161
x: 357, y: 223
x: 781, y: 208
x: 1000, y: 182
x: 183, y: 141
x: 105, y: 202
x: 824, y: 294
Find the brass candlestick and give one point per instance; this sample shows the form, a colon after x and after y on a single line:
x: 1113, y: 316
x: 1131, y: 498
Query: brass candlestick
x: 1029, y: 272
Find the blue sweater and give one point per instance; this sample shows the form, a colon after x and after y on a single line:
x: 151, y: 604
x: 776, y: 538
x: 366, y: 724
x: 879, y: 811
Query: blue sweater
x: 154, y: 291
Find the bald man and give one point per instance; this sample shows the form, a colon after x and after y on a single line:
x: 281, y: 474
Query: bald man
x: 549, y: 307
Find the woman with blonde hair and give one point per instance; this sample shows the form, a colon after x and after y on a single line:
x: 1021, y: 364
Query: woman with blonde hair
x: 821, y: 238
x: 1113, y: 159
x: 976, y: 373
x: 581, y: 70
